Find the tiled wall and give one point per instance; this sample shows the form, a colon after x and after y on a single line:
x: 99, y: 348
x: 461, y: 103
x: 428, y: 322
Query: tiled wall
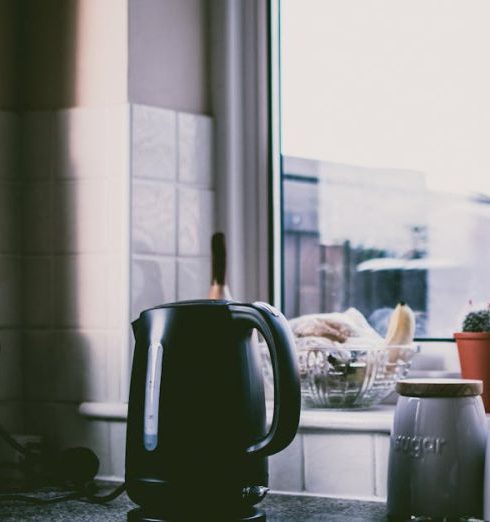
x: 75, y: 283
x: 117, y: 213
x: 172, y: 206
x: 10, y: 276
x: 333, y: 463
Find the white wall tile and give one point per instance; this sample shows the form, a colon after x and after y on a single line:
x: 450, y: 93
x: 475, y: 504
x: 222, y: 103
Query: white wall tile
x: 153, y: 143
x: 62, y: 427
x: 37, y: 145
x: 10, y: 290
x: 81, y: 216
x: 118, y: 449
x: 37, y: 217
x: 153, y: 283
x: 196, y: 221
x: 286, y: 468
x: 195, y: 149
x: 194, y: 278
x: 118, y: 216
x: 339, y: 463
x: 80, y: 290
x: 117, y: 284
x: 37, y: 291
x: 117, y: 346
x: 10, y: 218
x: 153, y: 216
x: 381, y: 457
x: 65, y: 365
x: 9, y: 135
x: 79, y: 359
x: 80, y: 143
x: 118, y: 141
x: 10, y: 365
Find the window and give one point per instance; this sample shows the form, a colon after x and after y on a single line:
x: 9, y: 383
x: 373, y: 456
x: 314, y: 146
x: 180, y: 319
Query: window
x: 385, y: 157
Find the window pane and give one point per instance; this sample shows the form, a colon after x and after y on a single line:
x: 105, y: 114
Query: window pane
x: 385, y: 157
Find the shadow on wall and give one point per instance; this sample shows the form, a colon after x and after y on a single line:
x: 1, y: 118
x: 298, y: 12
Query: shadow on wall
x: 48, y: 53
x: 60, y: 346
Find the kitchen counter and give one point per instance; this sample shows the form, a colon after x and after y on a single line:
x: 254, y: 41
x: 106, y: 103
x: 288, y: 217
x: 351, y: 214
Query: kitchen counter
x: 279, y: 508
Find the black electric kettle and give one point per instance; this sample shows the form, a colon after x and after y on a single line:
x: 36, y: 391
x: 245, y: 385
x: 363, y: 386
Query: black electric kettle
x: 197, y: 440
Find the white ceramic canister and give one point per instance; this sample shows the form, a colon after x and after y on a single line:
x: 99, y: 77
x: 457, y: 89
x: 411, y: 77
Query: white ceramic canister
x: 437, y: 450
x: 486, y: 484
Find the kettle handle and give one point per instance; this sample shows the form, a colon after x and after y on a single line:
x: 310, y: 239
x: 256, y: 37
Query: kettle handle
x: 287, y: 398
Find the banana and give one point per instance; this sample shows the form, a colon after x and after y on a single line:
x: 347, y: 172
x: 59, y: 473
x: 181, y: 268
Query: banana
x: 401, y: 327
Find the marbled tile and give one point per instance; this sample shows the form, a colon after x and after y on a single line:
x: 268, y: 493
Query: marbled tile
x: 381, y: 457
x: 196, y: 221
x: 153, y: 143
x: 37, y: 145
x: 339, y: 463
x: 37, y: 217
x: 80, y: 143
x: 10, y: 218
x: 81, y: 216
x: 196, y: 149
x: 153, y: 282
x: 286, y: 468
x: 80, y: 291
x: 37, y: 291
x: 153, y: 217
x: 194, y: 278
x: 9, y: 145
x: 11, y: 369
x: 10, y: 290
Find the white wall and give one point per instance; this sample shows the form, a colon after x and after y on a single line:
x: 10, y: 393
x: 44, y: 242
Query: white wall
x: 74, y: 53
x: 168, y: 54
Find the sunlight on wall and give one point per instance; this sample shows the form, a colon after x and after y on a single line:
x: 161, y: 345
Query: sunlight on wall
x: 101, y: 52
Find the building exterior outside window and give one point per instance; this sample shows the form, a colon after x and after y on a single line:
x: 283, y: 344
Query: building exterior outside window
x: 386, y: 192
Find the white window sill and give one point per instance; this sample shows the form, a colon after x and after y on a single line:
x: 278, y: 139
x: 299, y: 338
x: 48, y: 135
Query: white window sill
x: 378, y: 420
x: 110, y: 411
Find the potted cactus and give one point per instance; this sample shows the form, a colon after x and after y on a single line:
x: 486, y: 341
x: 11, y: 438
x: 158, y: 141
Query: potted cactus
x: 474, y: 350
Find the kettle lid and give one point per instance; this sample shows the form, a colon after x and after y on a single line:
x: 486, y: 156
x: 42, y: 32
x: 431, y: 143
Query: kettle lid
x: 193, y: 303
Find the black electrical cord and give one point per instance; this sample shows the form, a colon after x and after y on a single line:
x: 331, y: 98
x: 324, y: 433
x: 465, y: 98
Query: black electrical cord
x: 38, y: 500
x: 83, y: 494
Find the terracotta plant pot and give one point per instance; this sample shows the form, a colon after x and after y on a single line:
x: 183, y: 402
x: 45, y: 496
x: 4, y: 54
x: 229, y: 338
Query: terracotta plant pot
x: 474, y: 356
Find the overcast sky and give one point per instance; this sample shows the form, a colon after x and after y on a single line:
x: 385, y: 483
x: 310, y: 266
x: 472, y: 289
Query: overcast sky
x: 390, y: 83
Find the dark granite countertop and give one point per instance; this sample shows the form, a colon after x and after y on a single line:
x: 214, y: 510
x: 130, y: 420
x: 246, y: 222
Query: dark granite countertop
x: 279, y: 508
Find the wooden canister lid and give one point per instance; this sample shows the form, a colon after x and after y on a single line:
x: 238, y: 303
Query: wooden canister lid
x: 439, y: 387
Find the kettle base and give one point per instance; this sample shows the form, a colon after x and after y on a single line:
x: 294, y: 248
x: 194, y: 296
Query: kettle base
x: 138, y: 515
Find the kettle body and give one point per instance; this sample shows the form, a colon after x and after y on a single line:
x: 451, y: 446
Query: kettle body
x: 196, y: 435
